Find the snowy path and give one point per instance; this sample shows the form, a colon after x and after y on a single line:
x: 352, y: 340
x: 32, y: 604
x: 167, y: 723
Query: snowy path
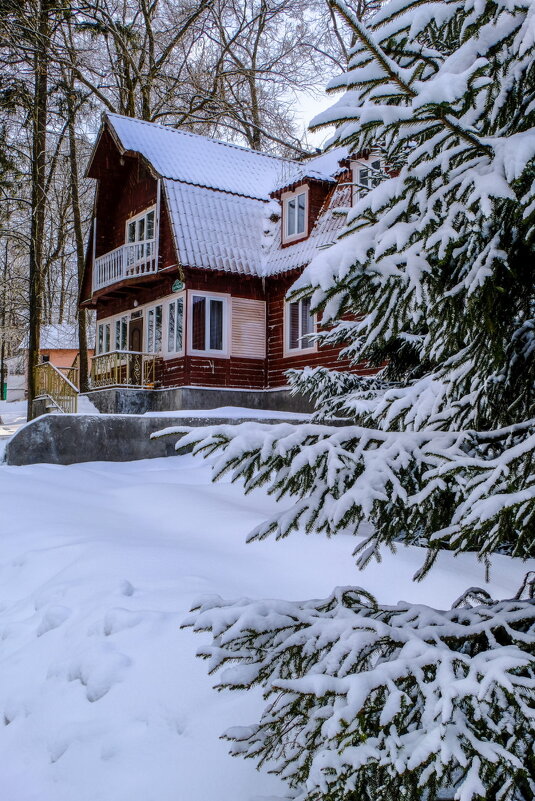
x: 101, y: 696
x: 12, y: 417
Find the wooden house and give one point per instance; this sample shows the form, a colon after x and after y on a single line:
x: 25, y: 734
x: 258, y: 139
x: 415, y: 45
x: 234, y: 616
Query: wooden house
x: 193, y: 246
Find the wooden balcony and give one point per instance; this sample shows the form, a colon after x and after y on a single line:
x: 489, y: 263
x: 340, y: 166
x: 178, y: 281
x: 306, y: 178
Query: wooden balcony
x: 123, y: 368
x: 126, y: 261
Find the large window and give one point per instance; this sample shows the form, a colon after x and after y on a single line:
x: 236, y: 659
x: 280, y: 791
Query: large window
x: 121, y: 333
x: 208, y: 324
x: 294, y: 212
x: 175, y: 326
x: 140, y: 231
x: 140, y: 228
x: 104, y: 338
x: 154, y: 329
x: 366, y: 176
x: 299, y: 326
x: 112, y: 335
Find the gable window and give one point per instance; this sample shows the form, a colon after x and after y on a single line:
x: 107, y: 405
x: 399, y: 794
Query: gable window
x: 175, y: 326
x: 300, y: 325
x: 140, y: 231
x: 154, y: 329
x: 208, y: 324
x: 366, y: 176
x: 294, y: 213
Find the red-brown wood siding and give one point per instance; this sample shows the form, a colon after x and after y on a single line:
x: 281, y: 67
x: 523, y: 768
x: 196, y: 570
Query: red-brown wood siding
x: 277, y: 362
x: 233, y: 372
x: 125, y: 188
x: 120, y: 197
x: 242, y: 286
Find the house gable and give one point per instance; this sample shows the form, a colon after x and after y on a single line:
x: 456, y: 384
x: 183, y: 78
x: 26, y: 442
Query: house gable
x: 216, y: 266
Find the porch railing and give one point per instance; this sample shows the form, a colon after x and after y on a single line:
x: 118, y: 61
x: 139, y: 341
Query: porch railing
x: 126, y: 261
x: 121, y: 368
x: 51, y: 383
x: 72, y: 372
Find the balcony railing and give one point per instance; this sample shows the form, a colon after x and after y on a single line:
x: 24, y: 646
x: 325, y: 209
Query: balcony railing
x: 121, y: 368
x: 126, y: 261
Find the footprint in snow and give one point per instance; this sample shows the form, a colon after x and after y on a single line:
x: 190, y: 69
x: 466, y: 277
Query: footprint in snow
x: 53, y: 617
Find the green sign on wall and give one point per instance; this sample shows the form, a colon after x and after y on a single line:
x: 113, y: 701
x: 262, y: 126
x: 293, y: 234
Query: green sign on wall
x: 178, y: 286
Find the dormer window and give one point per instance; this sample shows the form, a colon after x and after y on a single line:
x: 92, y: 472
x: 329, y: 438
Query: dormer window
x: 295, y: 214
x: 366, y: 175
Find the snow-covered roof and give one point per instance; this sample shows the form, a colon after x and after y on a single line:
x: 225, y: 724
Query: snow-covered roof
x: 215, y: 230
x: 182, y: 156
x: 323, y: 167
x: 218, y: 194
x: 58, y: 336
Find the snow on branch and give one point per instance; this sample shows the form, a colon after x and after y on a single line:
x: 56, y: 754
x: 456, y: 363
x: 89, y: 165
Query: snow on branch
x: 366, y: 701
x: 454, y: 489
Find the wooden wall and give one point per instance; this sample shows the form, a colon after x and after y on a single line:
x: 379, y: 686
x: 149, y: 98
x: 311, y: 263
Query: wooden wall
x: 277, y: 362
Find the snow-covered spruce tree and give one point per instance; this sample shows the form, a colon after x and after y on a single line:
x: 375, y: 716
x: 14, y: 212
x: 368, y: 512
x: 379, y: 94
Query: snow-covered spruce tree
x: 433, y: 276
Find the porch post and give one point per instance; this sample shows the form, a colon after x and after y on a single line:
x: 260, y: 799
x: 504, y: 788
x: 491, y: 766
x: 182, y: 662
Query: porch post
x: 157, y: 225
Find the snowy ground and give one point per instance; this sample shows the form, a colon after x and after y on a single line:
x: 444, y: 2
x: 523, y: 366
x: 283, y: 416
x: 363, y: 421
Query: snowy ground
x: 101, y: 696
x: 12, y: 417
x: 13, y: 412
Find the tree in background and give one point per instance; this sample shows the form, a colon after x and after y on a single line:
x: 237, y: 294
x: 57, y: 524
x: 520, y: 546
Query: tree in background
x: 225, y: 68
x: 432, y: 276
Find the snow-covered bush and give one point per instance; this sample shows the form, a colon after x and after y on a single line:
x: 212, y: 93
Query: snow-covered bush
x: 372, y: 702
x: 432, y: 277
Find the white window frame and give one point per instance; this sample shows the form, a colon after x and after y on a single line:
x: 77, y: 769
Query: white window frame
x: 286, y: 197
x: 174, y: 354
x: 150, y: 346
x: 287, y: 350
x: 121, y: 318
x: 109, y: 323
x: 221, y: 354
x: 360, y: 187
x: 136, y: 218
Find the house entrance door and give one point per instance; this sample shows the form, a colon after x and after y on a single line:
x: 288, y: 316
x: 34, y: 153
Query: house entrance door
x: 135, y: 335
x: 135, y: 343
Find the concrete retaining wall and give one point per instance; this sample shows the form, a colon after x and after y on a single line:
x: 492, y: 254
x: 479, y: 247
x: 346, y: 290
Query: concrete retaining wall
x: 67, y: 439
x: 138, y: 401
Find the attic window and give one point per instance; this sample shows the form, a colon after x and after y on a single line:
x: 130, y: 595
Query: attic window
x: 295, y: 214
x: 366, y: 176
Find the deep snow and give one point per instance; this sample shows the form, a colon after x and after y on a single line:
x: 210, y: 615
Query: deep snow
x: 101, y: 695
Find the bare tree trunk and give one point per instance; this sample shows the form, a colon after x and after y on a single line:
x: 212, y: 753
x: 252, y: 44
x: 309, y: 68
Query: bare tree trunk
x: 3, y: 324
x: 79, y: 237
x: 40, y: 109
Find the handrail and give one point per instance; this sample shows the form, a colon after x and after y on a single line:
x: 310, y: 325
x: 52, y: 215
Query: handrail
x: 123, y: 368
x: 50, y: 382
x: 126, y: 261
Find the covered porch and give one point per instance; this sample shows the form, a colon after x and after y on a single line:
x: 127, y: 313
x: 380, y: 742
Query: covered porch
x: 124, y: 368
